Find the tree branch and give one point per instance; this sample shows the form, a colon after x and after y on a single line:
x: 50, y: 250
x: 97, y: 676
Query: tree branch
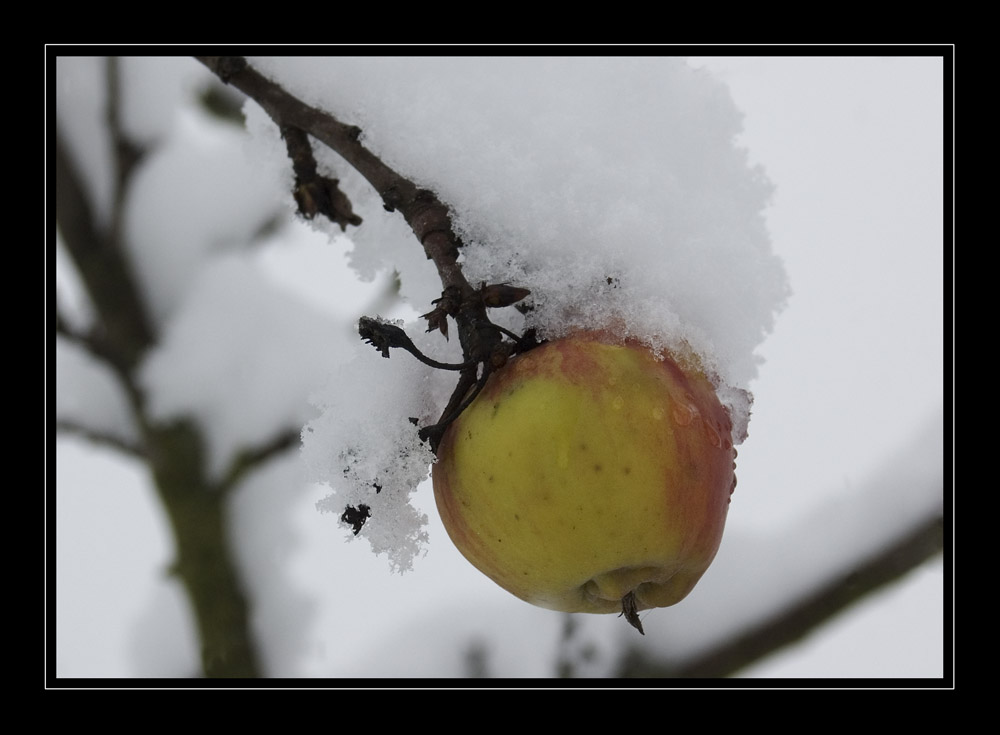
x: 122, y: 334
x: 794, y: 622
x: 428, y: 217
x: 316, y: 194
x: 127, y: 153
x: 99, y: 437
x: 250, y: 459
x: 123, y: 325
x: 204, y: 563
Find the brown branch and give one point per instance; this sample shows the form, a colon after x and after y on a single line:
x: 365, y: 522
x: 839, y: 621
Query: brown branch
x: 70, y: 333
x: 428, y: 217
x: 67, y: 426
x: 249, y: 459
x: 123, y: 325
x: 121, y: 335
x: 127, y: 153
x: 315, y: 194
x: 204, y: 565
x: 793, y: 623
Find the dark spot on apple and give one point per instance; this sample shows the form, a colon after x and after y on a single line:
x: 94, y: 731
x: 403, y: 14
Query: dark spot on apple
x: 627, y: 470
x: 597, y: 468
x: 517, y: 517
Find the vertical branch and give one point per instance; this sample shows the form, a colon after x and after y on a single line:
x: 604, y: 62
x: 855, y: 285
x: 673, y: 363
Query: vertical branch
x: 125, y: 152
x: 122, y: 326
x: 123, y: 333
x: 198, y: 515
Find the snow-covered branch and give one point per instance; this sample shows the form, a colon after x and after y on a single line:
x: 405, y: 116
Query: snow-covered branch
x: 483, y: 343
x: 424, y: 212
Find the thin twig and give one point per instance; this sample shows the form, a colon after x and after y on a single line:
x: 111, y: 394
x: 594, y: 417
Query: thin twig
x: 67, y: 426
x: 316, y: 194
x: 248, y: 460
x: 103, y: 268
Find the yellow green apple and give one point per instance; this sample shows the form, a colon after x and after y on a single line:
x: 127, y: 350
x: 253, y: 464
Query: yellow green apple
x: 588, y: 472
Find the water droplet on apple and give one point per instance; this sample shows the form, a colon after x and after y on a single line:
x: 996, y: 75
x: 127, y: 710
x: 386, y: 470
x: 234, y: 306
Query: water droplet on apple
x: 684, y: 413
x: 713, y: 435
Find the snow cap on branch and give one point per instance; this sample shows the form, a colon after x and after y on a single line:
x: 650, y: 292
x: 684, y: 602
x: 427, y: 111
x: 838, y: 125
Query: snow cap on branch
x: 614, y: 189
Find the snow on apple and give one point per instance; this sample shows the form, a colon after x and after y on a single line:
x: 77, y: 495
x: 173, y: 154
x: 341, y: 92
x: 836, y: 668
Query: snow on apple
x: 615, y: 190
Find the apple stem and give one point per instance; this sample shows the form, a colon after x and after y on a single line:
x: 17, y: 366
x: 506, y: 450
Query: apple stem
x: 631, y: 613
x: 434, y: 432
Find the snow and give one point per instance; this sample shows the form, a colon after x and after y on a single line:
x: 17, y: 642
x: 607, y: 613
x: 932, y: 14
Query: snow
x: 365, y: 447
x: 563, y: 173
x: 200, y: 194
x: 613, y: 189
x: 237, y: 336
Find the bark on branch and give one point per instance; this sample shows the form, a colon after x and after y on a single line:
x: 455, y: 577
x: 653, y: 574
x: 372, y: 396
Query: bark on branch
x: 121, y: 335
x: 483, y: 343
x: 427, y: 216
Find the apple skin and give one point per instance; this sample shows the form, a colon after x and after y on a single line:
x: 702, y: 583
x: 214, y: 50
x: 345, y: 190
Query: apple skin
x: 587, y: 469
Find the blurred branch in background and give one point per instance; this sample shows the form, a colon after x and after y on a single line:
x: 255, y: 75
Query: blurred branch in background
x: 795, y: 622
x: 119, y: 338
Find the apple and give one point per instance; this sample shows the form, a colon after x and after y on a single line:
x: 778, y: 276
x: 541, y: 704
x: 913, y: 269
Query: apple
x: 589, y: 475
